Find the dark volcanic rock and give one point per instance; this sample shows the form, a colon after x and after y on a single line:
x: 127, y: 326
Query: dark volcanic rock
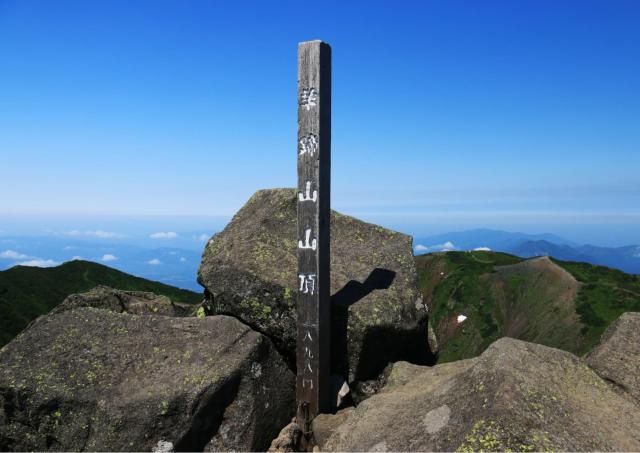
x: 134, y: 302
x: 617, y: 357
x: 249, y: 271
x: 91, y: 379
x: 516, y: 396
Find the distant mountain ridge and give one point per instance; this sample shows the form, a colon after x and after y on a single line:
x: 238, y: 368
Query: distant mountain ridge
x: 626, y: 258
x: 28, y: 292
x: 476, y: 297
x: 165, y: 262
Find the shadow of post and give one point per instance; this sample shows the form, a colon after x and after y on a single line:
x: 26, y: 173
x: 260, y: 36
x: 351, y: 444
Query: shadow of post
x: 348, y: 295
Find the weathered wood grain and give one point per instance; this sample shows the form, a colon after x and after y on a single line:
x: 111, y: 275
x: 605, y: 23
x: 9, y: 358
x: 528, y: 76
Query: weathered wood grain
x: 314, y: 188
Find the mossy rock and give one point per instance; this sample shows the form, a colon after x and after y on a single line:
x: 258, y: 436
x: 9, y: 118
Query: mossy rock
x: 134, y: 302
x: 516, y: 396
x: 249, y: 270
x: 617, y: 357
x: 91, y: 379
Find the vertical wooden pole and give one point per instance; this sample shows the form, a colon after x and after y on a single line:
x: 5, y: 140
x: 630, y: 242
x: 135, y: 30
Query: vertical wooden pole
x: 314, y: 180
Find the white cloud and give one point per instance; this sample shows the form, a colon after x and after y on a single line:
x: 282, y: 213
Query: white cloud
x: 97, y: 233
x: 103, y: 234
x: 164, y: 235
x: 109, y: 257
x: 203, y: 237
x: 447, y: 246
x: 482, y: 249
x: 183, y: 259
x: 154, y: 262
x: 76, y: 258
x: 13, y: 255
x: 38, y: 263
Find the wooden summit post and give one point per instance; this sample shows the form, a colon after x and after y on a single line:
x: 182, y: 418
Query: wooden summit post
x: 314, y: 180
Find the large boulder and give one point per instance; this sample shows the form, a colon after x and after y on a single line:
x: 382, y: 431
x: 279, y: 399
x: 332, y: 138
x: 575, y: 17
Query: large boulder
x: 134, y: 302
x: 617, y: 357
x: 249, y: 271
x: 516, y: 396
x: 92, y: 379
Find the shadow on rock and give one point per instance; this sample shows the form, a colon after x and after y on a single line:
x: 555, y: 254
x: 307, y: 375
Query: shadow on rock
x: 376, y: 350
x: 208, y: 417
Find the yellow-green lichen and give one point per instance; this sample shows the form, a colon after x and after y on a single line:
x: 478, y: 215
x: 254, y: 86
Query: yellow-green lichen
x: 492, y: 436
x: 256, y: 308
x: 262, y: 252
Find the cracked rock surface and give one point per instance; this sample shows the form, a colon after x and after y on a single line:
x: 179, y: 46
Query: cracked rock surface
x: 94, y: 379
x: 515, y: 396
x: 617, y: 356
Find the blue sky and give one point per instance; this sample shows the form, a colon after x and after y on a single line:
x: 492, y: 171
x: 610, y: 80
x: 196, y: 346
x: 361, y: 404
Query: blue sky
x: 465, y: 114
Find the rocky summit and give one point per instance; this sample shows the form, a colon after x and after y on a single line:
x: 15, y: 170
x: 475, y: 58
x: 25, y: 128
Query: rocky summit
x: 249, y: 271
x: 94, y: 379
x: 515, y: 396
x: 134, y: 302
x: 114, y: 370
x: 617, y: 357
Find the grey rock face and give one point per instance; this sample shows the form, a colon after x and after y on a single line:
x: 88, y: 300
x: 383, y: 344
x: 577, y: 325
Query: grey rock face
x: 134, y: 302
x: 249, y: 271
x: 617, y: 357
x: 92, y: 379
x: 516, y: 395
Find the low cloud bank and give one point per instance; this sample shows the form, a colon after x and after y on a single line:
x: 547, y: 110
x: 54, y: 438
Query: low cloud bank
x: 164, y: 235
x: 97, y: 233
x: 13, y: 255
x: 446, y: 247
x: 38, y: 263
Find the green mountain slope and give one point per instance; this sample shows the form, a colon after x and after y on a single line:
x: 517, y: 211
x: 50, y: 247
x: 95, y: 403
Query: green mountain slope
x: 28, y: 292
x: 560, y: 304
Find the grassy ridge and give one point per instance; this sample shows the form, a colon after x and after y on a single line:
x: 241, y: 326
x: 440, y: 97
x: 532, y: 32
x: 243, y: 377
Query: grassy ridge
x: 28, y: 292
x: 534, y: 300
x: 604, y: 295
x: 452, y: 284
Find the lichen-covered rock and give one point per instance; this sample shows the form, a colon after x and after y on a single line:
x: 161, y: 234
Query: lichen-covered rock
x: 92, y: 379
x: 516, y: 396
x: 134, y: 302
x: 617, y: 357
x: 249, y: 271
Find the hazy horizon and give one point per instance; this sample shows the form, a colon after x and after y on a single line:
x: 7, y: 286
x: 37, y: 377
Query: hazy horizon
x: 189, y: 229
x: 169, y: 248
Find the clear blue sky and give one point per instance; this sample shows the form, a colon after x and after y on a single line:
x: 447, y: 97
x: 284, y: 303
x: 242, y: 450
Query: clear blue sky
x: 478, y: 112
